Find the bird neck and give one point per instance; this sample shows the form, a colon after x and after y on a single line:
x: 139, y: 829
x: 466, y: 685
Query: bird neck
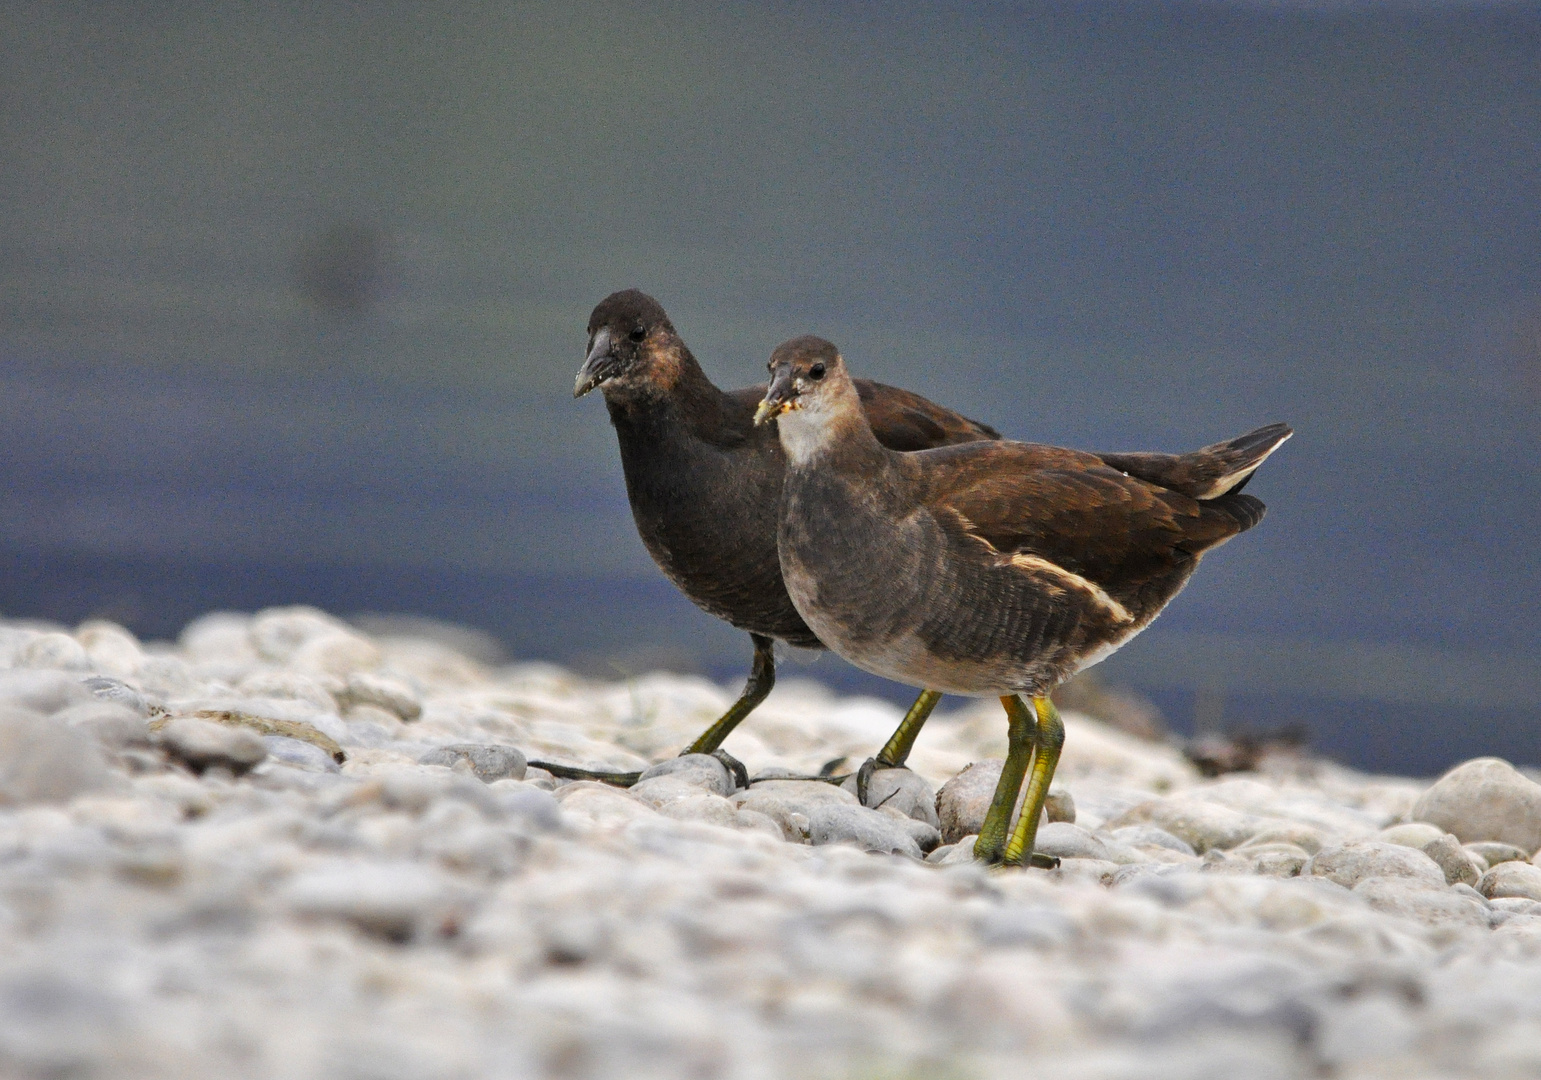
x: 826, y: 424
x: 671, y: 398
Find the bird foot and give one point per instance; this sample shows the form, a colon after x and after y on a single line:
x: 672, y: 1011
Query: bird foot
x: 735, y: 769
x: 864, y: 780
x: 572, y: 772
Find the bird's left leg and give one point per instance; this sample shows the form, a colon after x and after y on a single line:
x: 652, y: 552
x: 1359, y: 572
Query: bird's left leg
x: 1050, y: 738
x: 762, y: 677
x: 896, y: 750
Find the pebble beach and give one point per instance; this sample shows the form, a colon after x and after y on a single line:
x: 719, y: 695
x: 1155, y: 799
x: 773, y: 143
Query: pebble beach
x: 283, y: 847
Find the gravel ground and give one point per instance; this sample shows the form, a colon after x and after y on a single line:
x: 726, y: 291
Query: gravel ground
x: 192, y: 884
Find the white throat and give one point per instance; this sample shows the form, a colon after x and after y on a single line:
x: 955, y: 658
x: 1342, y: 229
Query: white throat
x: 805, y: 431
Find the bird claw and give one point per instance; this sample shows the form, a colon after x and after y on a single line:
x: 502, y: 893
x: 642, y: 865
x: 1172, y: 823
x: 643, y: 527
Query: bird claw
x: 735, y: 769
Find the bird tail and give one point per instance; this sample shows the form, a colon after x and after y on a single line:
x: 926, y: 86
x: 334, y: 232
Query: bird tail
x: 1217, y: 470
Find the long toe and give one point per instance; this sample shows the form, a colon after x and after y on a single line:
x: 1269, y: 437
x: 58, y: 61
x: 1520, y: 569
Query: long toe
x: 572, y: 772
x: 735, y: 769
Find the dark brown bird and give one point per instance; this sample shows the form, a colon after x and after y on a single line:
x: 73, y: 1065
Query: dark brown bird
x: 704, y: 481
x: 997, y: 568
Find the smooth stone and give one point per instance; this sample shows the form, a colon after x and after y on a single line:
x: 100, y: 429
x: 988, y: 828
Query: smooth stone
x: 1302, y: 836
x: 961, y: 803
x: 1203, y: 825
x: 110, y: 647
x: 1459, y: 867
x: 701, y: 770
x: 396, y: 901
x: 521, y: 799
x: 1093, y: 871
x: 657, y: 791
x: 1275, y: 860
x: 926, y: 836
x: 299, y: 754
x: 899, y: 789
x: 42, y: 760
x: 382, y: 692
x: 837, y: 823
x: 56, y: 652
x: 754, y: 821
x: 43, y: 692
x: 201, y: 744
x: 600, y: 805
x: 114, y: 726
x: 1494, y: 853
x: 489, y: 763
x: 953, y: 854
x: 1059, y: 806
x: 1350, y: 863
x: 1412, y: 900
x: 1149, y: 836
x: 1511, y: 879
x: 790, y: 802
x: 107, y: 688
x: 1069, y: 841
x: 702, y: 806
x: 1413, y: 834
x: 1485, y: 799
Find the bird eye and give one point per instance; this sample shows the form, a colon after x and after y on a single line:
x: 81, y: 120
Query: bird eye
x: 816, y: 372
x: 638, y: 334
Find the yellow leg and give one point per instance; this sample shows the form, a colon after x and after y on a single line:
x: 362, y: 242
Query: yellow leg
x: 762, y: 676
x: 1020, y: 737
x: 897, y: 750
x: 1051, y: 737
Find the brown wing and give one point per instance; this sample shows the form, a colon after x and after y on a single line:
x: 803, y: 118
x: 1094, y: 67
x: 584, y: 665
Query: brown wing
x: 1117, y: 531
x: 905, y: 421
x: 900, y: 420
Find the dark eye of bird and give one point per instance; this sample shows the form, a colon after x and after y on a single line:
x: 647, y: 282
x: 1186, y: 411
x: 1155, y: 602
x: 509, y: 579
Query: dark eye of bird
x: 816, y: 372
x: 638, y: 334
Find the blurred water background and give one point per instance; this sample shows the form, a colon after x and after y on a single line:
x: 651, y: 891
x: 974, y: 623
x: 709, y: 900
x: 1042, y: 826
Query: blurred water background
x: 292, y: 296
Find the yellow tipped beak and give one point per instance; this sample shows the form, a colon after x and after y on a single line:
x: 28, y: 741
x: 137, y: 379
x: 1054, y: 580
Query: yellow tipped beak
x: 768, y: 409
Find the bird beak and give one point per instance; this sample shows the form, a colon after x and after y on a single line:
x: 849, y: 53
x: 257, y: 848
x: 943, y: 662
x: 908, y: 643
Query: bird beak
x: 599, y: 365
x: 780, y: 397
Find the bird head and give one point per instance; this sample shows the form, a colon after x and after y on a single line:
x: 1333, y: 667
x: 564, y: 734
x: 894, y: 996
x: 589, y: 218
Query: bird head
x: 629, y: 335
x: 805, y: 372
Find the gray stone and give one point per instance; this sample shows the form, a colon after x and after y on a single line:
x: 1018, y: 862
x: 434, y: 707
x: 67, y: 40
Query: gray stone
x: 790, y: 802
x: 1204, y: 825
x: 520, y: 799
x: 901, y: 790
x: 837, y: 823
x: 1511, y: 879
x: 382, y: 692
x: 42, y: 760
x: 116, y: 727
x: 41, y: 691
x: 396, y: 901
x: 702, y: 770
x: 1059, y: 806
x: 1458, y: 866
x: 1069, y: 841
x: 962, y: 801
x: 489, y: 763
x: 1485, y: 799
x: 58, y: 652
x: 1413, y: 900
x: 754, y: 821
x: 200, y: 744
x: 1275, y: 860
x: 1414, y: 834
x: 927, y: 837
x: 1302, y: 836
x: 1350, y: 863
x: 299, y: 754
x: 1139, y: 836
x: 106, y: 688
x: 1494, y: 853
x: 702, y: 806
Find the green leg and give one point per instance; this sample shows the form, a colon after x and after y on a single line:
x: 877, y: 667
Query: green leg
x: 1051, y: 737
x: 896, y: 751
x: 1020, y: 735
x: 761, y: 678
